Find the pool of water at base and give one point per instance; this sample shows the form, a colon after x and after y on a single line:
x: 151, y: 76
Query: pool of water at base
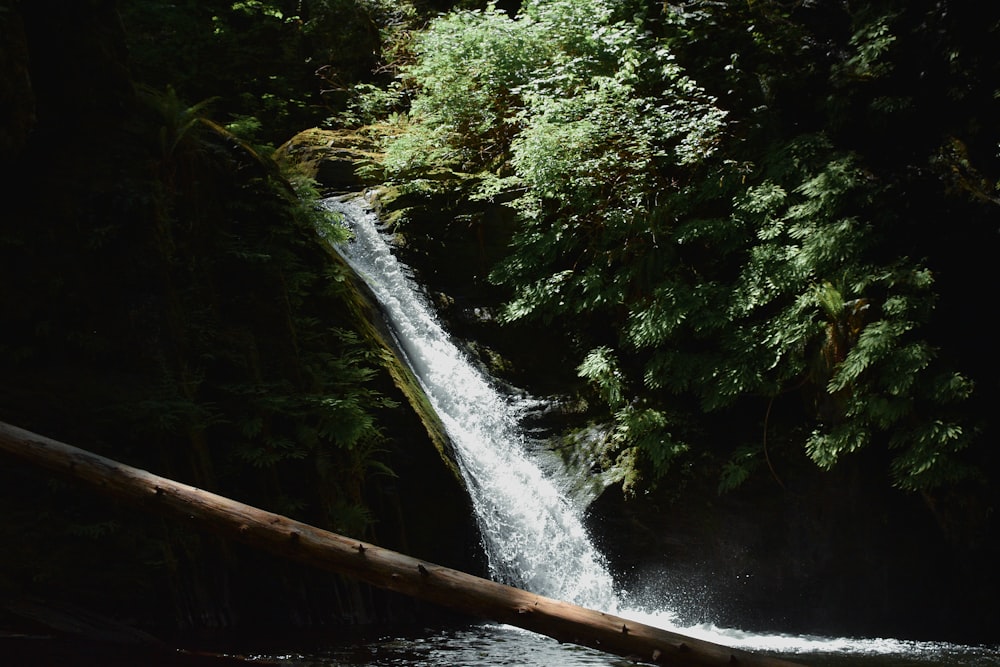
x: 494, y: 644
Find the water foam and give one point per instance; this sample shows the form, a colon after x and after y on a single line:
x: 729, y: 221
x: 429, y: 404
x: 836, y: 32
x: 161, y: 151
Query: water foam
x: 533, y: 537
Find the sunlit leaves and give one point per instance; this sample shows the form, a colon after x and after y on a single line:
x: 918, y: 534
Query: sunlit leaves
x: 871, y: 43
x: 601, y: 368
x: 876, y: 342
x: 826, y: 446
x: 929, y: 455
x: 706, y: 258
x: 647, y: 431
x: 469, y: 67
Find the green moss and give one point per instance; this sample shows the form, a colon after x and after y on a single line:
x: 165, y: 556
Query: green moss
x: 366, y: 314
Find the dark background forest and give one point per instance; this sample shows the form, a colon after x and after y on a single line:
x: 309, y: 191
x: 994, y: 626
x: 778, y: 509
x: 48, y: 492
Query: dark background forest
x: 748, y: 243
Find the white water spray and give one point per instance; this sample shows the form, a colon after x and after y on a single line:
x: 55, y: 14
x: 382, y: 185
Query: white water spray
x: 533, y: 538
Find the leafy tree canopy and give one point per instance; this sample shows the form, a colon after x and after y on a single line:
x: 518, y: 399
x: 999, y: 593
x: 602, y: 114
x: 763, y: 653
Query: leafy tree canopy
x: 734, y: 204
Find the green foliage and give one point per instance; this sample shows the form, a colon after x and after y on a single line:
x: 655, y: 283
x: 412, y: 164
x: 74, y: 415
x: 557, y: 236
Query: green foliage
x: 741, y: 465
x: 647, y: 430
x: 178, y: 120
x: 601, y: 368
x: 212, y: 298
x: 369, y: 104
x: 699, y: 201
x: 257, y: 376
x: 468, y: 67
x: 869, y: 369
x: 281, y: 62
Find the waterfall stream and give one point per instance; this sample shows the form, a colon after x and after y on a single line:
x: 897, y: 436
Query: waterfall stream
x: 533, y: 537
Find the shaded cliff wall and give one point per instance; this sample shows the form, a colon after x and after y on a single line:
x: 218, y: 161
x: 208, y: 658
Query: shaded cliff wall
x: 85, y: 319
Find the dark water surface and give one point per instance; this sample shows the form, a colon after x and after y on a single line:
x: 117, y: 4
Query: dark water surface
x: 494, y: 644
x: 479, y: 645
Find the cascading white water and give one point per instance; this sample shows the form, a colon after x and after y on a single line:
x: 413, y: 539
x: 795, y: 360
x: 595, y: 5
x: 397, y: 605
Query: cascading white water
x: 533, y: 538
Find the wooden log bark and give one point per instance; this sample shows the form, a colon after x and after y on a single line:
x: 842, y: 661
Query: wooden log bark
x: 369, y: 563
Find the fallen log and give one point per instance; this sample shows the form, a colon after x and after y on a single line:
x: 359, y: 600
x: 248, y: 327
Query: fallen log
x: 376, y: 566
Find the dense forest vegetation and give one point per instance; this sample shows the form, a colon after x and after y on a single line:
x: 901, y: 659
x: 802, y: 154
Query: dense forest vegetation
x: 757, y: 225
x: 758, y: 233
x: 736, y: 208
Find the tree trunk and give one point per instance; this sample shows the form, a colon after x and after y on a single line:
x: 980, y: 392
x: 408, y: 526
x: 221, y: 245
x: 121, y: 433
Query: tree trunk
x: 371, y: 564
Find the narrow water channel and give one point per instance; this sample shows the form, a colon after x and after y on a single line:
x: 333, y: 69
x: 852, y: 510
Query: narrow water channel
x: 533, y: 537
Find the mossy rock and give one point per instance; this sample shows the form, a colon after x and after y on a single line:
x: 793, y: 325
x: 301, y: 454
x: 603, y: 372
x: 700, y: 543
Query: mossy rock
x: 338, y: 160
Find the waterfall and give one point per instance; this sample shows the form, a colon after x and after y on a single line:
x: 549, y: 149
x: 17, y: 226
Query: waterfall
x: 534, y: 539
